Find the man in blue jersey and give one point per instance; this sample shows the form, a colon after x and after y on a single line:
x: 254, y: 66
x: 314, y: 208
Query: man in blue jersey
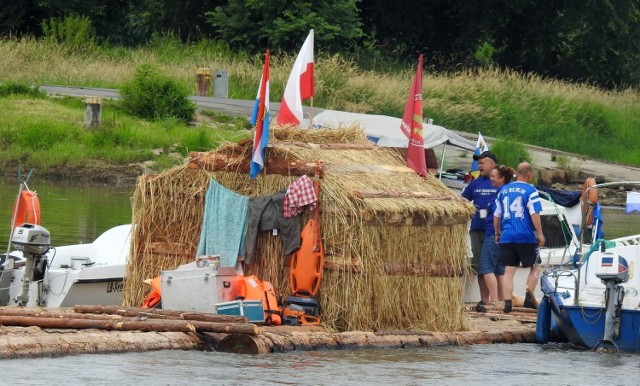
x: 519, y: 231
x: 482, y: 193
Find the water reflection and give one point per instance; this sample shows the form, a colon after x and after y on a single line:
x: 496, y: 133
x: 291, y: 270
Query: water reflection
x: 522, y: 364
x: 71, y: 213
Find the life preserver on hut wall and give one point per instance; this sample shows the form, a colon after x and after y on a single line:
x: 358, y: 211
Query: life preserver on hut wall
x: 588, y: 200
x: 26, y: 209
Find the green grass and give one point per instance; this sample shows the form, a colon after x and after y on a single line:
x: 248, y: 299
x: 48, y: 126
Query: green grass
x: 513, y: 107
x: 45, y: 133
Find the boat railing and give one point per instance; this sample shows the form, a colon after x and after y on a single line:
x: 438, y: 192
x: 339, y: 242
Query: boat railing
x: 628, y: 240
x: 557, y: 286
x: 570, y: 239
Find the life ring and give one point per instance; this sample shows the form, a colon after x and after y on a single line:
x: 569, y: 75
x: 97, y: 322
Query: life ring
x: 588, y: 199
x: 26, y: 209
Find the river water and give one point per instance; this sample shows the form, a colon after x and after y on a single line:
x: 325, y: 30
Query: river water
x: 78, y: 214
x: 517, y: 364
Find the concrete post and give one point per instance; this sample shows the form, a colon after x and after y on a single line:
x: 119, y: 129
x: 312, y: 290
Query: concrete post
x: 92, y: 112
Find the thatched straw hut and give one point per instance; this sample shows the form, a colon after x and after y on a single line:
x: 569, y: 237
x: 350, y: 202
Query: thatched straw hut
x: 395, y: 243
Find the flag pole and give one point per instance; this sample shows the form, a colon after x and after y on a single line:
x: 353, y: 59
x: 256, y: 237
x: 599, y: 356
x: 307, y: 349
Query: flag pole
x: 311, y: 113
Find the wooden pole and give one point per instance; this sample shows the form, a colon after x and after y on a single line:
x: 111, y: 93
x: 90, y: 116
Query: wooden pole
x: 159, y: 314
x: 127, y: 325
x: 203, y: 81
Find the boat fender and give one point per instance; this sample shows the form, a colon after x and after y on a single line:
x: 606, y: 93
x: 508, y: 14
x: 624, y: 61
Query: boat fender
x: 588, y: 200
x: 543, y: 321
x: 26, y: 209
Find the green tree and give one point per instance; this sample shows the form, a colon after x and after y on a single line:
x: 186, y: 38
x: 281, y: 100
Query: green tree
x: 254, y: 25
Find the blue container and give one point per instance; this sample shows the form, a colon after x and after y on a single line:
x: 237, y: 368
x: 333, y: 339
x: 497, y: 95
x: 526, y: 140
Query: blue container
x: 252, y: 309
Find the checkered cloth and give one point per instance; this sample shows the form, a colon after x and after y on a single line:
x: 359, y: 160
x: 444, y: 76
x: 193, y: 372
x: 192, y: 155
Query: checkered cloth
x: 299, y: 194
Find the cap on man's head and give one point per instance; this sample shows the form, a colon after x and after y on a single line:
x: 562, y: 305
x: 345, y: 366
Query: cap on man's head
x: 485, y: 154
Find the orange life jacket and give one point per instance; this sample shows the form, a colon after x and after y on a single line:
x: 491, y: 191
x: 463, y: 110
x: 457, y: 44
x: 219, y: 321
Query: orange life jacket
x: 155, y: 295
x: 252, y: 288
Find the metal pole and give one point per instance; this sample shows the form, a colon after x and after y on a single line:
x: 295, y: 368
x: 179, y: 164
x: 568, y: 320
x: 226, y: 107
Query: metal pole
x: 444, y: 149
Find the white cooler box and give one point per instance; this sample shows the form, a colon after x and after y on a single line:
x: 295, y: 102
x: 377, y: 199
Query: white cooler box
x: 198, y: 289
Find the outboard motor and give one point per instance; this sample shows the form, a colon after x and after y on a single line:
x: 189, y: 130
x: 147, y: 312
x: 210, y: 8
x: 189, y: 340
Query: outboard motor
x: 612, y: 269
x: 34, y: 241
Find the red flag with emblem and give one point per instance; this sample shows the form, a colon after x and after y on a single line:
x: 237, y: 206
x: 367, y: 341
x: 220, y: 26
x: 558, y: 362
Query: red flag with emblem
x: 412, y: 127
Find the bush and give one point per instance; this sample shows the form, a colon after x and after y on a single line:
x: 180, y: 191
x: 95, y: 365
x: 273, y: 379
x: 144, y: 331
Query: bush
x: 76, y: 31
x: 152, y: 95
x: 10, y: 88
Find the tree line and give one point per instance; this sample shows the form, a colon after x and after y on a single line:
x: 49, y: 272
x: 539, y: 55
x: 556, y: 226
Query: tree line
x: 593, y: 41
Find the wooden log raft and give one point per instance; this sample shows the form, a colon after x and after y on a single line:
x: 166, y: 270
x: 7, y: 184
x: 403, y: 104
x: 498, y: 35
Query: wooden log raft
x: 157, y: 325
x: 158, y: 313
x: 273, y: 341
x: 121, y: 314
x: 32, y: 342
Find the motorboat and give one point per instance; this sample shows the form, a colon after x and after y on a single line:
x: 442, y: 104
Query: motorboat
x: 595, y: 301
x: 38, y: 274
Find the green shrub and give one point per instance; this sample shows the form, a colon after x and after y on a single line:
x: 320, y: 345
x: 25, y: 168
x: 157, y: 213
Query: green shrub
x: 76, y: 31
x: 152, y: 95
x: 11, y: 88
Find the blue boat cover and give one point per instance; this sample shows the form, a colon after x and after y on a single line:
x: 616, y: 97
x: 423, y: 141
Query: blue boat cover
x: 566, y: 198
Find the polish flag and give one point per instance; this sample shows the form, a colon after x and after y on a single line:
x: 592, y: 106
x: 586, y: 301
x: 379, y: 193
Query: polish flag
x: 412, y: 127
x: 299, y: 86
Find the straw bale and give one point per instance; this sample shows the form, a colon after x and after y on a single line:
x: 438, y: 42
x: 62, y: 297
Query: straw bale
x: 166, y: 209
x: 426, y: 232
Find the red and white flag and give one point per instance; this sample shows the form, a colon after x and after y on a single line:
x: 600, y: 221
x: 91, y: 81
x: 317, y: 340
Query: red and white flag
x: 299, y: 86
x: 412, y: 127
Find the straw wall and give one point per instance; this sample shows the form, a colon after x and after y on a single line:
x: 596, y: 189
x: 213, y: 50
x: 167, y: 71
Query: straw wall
x: 381, y: 252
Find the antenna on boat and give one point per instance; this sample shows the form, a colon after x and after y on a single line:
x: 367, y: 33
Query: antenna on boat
x: 14, y: 213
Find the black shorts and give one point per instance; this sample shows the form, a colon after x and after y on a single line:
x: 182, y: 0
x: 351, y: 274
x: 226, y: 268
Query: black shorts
x: 512, y: 254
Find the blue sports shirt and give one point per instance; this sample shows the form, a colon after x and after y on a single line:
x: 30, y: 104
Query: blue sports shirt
x: 482, y: 193
x: 515, y: 204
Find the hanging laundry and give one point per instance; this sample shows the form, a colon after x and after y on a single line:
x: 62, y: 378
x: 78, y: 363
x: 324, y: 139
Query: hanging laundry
x: 299, y: 194
x: 224, y: 224
x: 265, y: 214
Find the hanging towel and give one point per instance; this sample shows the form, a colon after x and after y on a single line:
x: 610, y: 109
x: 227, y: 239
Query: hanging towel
x: 633, y: 202
x: 299, y: 194
x: 224, y: 224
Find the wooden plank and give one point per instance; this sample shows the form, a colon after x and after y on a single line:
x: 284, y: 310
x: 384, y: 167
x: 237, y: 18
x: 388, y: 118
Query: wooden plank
x: 406, y: 194
x: 419, y: 269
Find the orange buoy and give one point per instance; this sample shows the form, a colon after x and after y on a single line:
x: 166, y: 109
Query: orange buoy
x: 26, y: 209
x: 588, y: 199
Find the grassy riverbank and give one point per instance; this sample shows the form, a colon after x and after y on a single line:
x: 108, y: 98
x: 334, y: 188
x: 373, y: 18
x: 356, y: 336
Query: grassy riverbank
x: 570, y: 117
